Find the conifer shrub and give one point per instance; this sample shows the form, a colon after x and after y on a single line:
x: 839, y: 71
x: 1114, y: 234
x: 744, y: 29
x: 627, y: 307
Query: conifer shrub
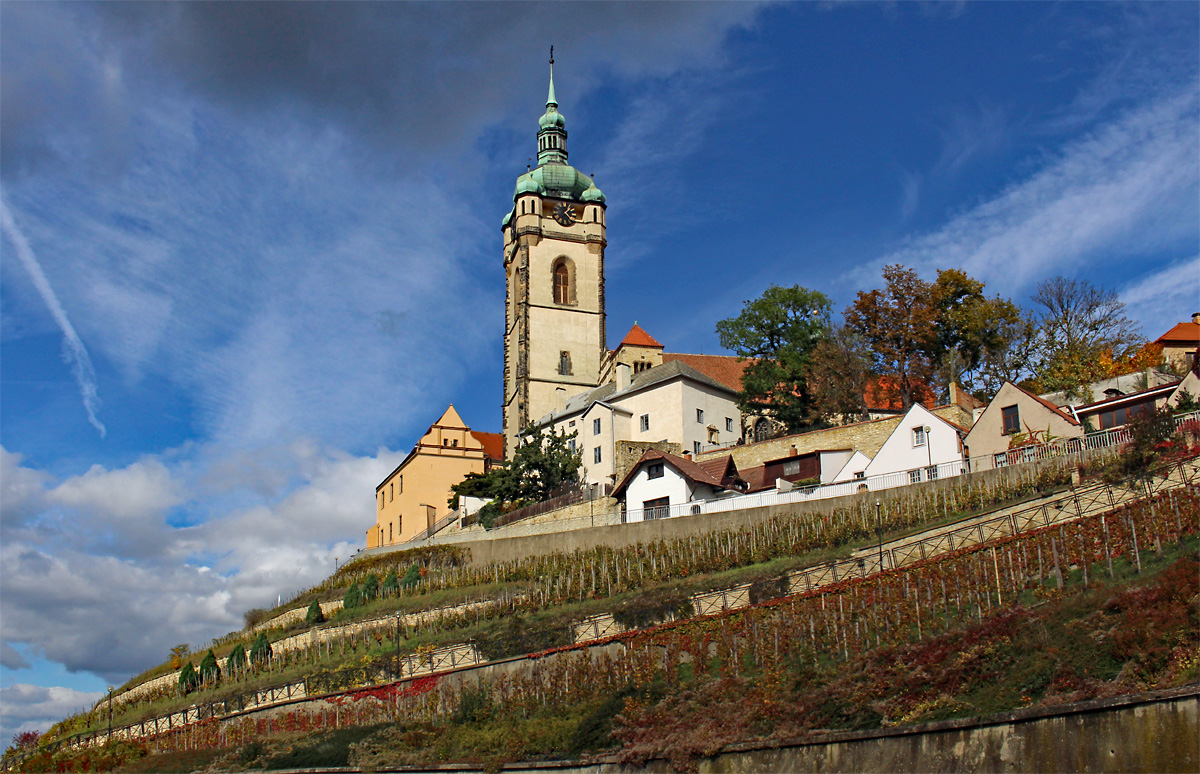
x: 236, y: 660
x: 314, y: 615
x: 369, y: 590
x: 353, y: 597
x: 188, y: 679
x: 210, y: 671
x: 391, y: 584
x: 411, y: 577
x: 260, y: 651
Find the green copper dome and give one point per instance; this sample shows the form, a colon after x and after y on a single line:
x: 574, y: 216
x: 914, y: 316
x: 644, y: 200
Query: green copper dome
x: 561, y: 181
x: 592, y: 194
x: 507, y: 219
x: 552, y: 118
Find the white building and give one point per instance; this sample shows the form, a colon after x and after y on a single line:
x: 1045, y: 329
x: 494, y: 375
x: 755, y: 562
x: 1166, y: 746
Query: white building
x: 922, y: 445
x: 671, y: 403
x: 660, y: 485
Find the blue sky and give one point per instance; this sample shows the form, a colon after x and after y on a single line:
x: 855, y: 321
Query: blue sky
x: 249, y: 252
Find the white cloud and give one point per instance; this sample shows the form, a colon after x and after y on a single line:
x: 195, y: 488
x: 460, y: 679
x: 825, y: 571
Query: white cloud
x: 137, y: 492
x: 1127, y: 190
x: 1165, y: 297
x: 25, y: 707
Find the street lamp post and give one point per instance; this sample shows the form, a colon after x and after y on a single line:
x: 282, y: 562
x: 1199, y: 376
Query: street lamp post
x: 110, y: 695
x: 879, y: 529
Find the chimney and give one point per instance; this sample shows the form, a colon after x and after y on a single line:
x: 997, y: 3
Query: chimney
x: 560, y: 398
x: 1196, y: 317
x: 954, y: 393
x: 623, y: 376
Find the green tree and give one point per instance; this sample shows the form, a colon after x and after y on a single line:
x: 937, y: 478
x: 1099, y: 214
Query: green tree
x: 898, y: 323
x: 542, y: 462
x: 1078, y: 323
x: 370, y: 588
x: 210, y: 670
x: 777, y: 334
x: 188, y: 679
x: 979, y: 342
x: 391, y: 584
x: 260, y: 651
x: 411, y: 577
x: 315, y: 614
x: 353, y: 597
x: 236, y: 661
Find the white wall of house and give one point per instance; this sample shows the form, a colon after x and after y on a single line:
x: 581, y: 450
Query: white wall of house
x: 670, y: 411
x: 921, y: 440
x: 832, y: 463
x: 857, y: 463
x: 671, y: 484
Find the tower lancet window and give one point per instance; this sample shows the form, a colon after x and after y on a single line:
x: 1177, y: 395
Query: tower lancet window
x: 564, y: 282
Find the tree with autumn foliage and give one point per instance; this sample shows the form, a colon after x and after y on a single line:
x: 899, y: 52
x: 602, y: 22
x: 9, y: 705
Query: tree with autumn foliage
x: 1079, y: 324
x: 897, y: 322
x: 837, y: 377
x: 777, y: 333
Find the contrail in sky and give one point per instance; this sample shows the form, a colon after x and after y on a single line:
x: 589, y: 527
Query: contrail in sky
x: 73, y: 350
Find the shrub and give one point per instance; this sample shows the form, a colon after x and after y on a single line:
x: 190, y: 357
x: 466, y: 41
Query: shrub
x: 210, y: 671
x: 474, y: 706
x: 236, y: 660
x: 391, y: 584
x: 411, y: 577
x: 260, y: 651
x: 353, y: 597
x: 514, y: 636
x: 369, y: 589
x: 314, y: 615
x: 188, y: 679
x: 254, y: 616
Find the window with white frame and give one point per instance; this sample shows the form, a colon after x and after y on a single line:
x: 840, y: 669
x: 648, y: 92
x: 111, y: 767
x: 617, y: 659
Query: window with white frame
x: 571, y: 444
x: 695, y: 447
x: 729, y: 424
x: 644, y: 422
x: 596, y: 455
x: 700, y: 416
x: 914, y: 476
x: 596, y: 427
x: 654, y: 470
x: 931, y: 473
x: 918, y: 436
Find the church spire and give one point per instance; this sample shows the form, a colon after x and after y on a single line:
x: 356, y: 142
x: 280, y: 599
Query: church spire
x: 552, y: 128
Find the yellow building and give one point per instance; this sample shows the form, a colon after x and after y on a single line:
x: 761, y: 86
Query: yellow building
x: 414, y: 495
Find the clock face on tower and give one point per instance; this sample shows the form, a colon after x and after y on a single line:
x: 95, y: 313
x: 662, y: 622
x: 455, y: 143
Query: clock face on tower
x: 564, y: 214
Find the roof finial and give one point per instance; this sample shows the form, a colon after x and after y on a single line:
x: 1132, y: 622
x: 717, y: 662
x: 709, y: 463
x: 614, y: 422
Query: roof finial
x: 550, y: 99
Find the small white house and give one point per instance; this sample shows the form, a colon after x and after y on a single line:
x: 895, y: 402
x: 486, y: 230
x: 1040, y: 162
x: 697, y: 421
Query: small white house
x: 660, y: 485
x: 923, y: 446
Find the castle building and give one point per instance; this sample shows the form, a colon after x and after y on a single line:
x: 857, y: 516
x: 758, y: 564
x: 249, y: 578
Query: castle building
x: 554, y: 334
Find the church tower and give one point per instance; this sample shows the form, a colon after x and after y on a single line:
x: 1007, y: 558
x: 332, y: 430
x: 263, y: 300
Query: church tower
x: 554, y: 242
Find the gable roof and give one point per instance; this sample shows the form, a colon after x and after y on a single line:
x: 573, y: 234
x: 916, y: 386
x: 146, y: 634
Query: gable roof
x: 1045, y: 403
x: 882, y: 394
x: 688, y: 469
x: 1133, y: 397
x: 1184, y: 332
x: 493, y: 444
x: 637, y: 337
x: 726, y: 369
x: 721, y: 468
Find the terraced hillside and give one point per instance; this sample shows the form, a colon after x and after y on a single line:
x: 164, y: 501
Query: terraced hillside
x: 619, y: 631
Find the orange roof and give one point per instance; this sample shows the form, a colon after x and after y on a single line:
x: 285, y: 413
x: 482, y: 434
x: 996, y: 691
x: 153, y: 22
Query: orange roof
x: 1047, y: 404
x: 493, y: 444
x: 1185, y: 332
x: 726, y: 369
x: 639, y: 338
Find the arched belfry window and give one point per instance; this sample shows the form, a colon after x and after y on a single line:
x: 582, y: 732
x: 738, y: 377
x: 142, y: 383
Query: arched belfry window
x: 564, y: 282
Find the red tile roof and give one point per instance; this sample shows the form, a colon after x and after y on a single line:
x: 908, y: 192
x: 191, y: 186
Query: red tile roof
x: 1048, y: 405
x: 493, y: 444
x: 726, y: 369
x: 639, y: 338
x: 1184, y: 332
x: 883, y: 394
